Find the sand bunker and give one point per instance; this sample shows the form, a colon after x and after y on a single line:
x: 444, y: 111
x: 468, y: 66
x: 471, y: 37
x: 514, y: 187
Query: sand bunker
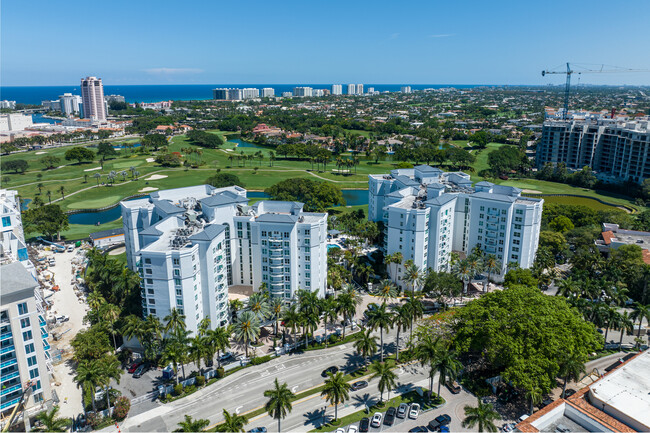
x: 151, y: 159
x: 156, y: 177
x: 40, y: 153
x: 93, y: 169
x: 531, y: 191
x: 147, y: 189
x: 117, y: 251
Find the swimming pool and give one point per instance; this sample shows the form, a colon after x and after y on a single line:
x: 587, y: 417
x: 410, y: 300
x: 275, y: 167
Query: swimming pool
x: 333, y: 247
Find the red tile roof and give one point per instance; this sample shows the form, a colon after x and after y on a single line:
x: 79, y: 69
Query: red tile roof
x: 607, y: 236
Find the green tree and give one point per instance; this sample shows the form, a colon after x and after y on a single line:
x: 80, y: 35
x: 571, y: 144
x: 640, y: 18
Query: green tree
x: 640, y: 311
x: 221, y: 180
x: 232, y: 422
x: 561, y: 224
x: 483, y: 415
x: 17, y: 165
x: 572, y: 366
x: 336, y: 390
x: 48, y: 220
x: 401, y: 320
x: 105, y: 150
x: 175, y: 322
x: 88, y: 378
x: 49, y: 161
x: 386, y: 377
x: 279, y: 404
x: 52, y: 423
x: 316, y: 195
x: 381, y: 319
x: 193, y: 425
x: 447, y: 366
x: 366, y: 344
x: 387, y: 291
x: 79, y: 154
x: 154, y: 140
x: 247, y: 328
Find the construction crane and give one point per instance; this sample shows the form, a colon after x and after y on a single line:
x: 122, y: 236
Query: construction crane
x: 27, y: 390
x: 570, y: 72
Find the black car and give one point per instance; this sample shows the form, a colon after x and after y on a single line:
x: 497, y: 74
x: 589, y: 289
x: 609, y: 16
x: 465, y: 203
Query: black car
x: 142, y: 369
x: 419, y: 429
x: 356, y: 386
x: 333, y: 369
x: 257, y: 430
x: 439, y: 421
x: 364, y: 425
x: 569, y: 392
x: 389, y: 419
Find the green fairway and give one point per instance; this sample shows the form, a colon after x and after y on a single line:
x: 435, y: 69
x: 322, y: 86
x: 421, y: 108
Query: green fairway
x: 482, y: 159
x: 94, y: 203
x: 359, y: 132
x: 589, y: 202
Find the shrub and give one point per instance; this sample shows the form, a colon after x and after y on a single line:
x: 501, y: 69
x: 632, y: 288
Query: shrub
x: 220, y: 372
x: 122, y: 407
x: 93, y: 419
x: 178, y: 389
x: 260, y: 360
x: 200, y: 380
x: 190, y: 389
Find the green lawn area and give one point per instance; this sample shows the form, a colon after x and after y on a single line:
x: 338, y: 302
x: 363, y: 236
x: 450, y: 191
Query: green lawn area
x: 579, y: 201
x: 482, y: 159
x: 358, y: 131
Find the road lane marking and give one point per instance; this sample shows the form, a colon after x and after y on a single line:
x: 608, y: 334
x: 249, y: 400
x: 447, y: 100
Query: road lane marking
x: 238, y: 409
x: 294, y: 389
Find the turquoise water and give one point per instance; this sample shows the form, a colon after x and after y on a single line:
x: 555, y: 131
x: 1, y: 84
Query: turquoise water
x: 242, y: 143
x: 333, y: 247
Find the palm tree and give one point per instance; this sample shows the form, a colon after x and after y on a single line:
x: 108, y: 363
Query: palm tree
x: 271, y: 158
x: 571, y: 368
x: 235, y: 306
x: 110, y: 313
x: 276, y: 308
x: 279, y: 404
x: 366, y: 345
x: 48, y: 193
x: 190, y: 425
x: 415, y: 308
x: 111, y: 369
x: 387, y: 291
x: 174, y: 322
x: 386, y: 377
x: 535, y: 396
x: 258, y: 304
x: 380, y: 319
x: 88, y: 377
x: 232, y: 422
x: 40, y: 186
x: 640, y: 312
x: 219, y: 338
x: 247, y: 328
x: 310, y: 323
x: 426, y: 351
x: 447, y: 366
x: 484, y: 415
x: 52, y: 423
x: 463, y: 270
x: 396, y: 259
x: 348, y: 302
x: 62, y: 191
x: 492, y: 265
x: 611, y: 316
x: 401, y: 319
x: 292, y: 319
x: 197, y: 351
x: 412, y: 275
x: 97, y: 176
x: 625, y: 323
x: 173, y: 354
x: 329, y: 309
x: 335, y: 391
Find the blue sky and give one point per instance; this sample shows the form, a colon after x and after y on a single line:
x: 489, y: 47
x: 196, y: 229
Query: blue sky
x: 427, y: 42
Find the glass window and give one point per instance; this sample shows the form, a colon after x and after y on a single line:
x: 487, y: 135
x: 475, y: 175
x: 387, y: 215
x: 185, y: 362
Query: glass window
x: 22, y: 308
x: 147, y: 261
x: 27, y: 335
x: 176, y: 262
x: 33, y: 373
x: 31, y: 361
x: 29, y: 348
x: 148, y: 271
x: 24, y: 323
x: 6, y: 221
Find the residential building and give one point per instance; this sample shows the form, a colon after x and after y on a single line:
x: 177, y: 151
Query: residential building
x: 268, y: 92
x: 318, y: 92
x: 92, y: 95
x: 70, y: 104
x: 617, y: 401
x: 287, y: 94
x: 371, y: 90
x: 616, y: 150
x: 302, y: 91
x: 614, y: 237
x: 428, y: 213
x: 52, y: 105
x: 359, y: 89
x: 13, y: 246
x: 352, y: 89
x: 8, y: 104
x: 114, y: 98
x: 337, y: 89
x: 406, y: 89
x: 228, y: 94
x: 190, y: 244
x: 250, y: 93
x: 15, y: 122
x: 23, y: 338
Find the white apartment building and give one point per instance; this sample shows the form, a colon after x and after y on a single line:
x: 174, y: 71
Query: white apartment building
x: 337, y: 89
x: 54, y: 105
x: 190, y: 244
x: 268, y: 92
x: 24, y: 350
x: 250, y: 93
x: 428, y: 213
x: 12, y: 243
x: 114, y: 98
x: 352, y: 89
x: 8, y: 104
x: 406, y: 89
x: 302, y: 91
x: 228, y: 94
x: 359, y: 89
x: 15, y: 122
x: 70, y: 104
x: 92, y: 95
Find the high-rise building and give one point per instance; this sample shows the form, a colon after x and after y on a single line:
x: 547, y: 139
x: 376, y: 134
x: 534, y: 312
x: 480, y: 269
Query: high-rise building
x: 337, y: 89
x: 70, y: 104
x: 15, y: 122
x: 287, y: 94
x: 428, y: 214
x: 359, y: 89
x: 268, y: 92
x: 92, y: 95
x: 8, y: 104
x: 352, y: 89
x: 54, y: 105
x: 25, y: 350
x: 114, y: 98
x: 250, y: 93
x: 616, y: 150
x: 318, y: 92
x: 302, y: 91
x: 190, y: 244
x: 235, y: 94
x: 406, y: 89
x: 13, y: 243
x: 371, y: 90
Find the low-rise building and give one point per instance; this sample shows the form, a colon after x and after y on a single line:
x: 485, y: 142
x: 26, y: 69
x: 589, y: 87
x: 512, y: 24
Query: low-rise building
x: 613, y: 237
x: 15, y: 122
x: 107, y: 238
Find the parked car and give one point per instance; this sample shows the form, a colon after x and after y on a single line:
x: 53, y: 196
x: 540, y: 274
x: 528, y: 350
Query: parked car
x: 257, y: 430
x: 340, y: 430
x: 444, y: 429
x: 419, y: 429
x: 70, y: 248
x: 353, y: 429
x: 364, y: 425
x: 226, y: 357
x: 415, y: 411
x: 376, y: 419
x: 439, y: 421
x: 140, y: 371
x: 134, y: 365
x: 453, y: 387
x: 333, y: 369
x: 402, y: 410
x: 356, y: 386
x: 569, y: 392
x: 62, y: 318
x: 389, y: 419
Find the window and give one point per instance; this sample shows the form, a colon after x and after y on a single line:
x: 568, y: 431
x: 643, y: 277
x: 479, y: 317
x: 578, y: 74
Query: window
x: 516, y: 241
x: 24, y: 323
x: 515, y: 256
x: 307, y: 249
x: 29, y: 348
x: 517, y: 234
x: 515, y: 249
x: 480, y: 223
x: 177, y: 281
x: 265, y: 268
x: 152, y: 301
x: 147, y: 261
x: 286, y: 234
x: 33, y: 373
x: 179, y: 292
x: 150, y: 291
x: 481, y: 216
x: 307, y: 258
x: 27, y: 335
x: 179, y: 302
x: 307, y: 266
x: 152, y: 310
x: 482, y: 208
x: 518, y: 219
x: 148, y: 271
x: 308, y: 231
x: 519, y: 212
x: 22, y: 308
x: 480, y: 230
x: 149, y: 281
x: 31, y: 361
x: 176, y: 262
x: 37, y: 386
x: 177, y: 272
x: 307, y: 275
x: 6, y: 221
x: 263, y: 233
x: 517, y: 226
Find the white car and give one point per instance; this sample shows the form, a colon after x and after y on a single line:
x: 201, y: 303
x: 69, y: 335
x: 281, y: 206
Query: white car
x: 415, y: 411
x: 376, y: 419
x: 353, y: 429
x: 340, y: 430
x: 70, y: 248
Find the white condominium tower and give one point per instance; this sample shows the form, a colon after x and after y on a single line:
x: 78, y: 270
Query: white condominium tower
x: 268, y: 92
x: 337, y: 89
x: 302, y: 91
x: 190, y: 244
x: 352, y: 89
x: 359, y: 89
x: 406, y: 89
x: 92, y: 95
x: 70, y: 104
x: 428, y: 213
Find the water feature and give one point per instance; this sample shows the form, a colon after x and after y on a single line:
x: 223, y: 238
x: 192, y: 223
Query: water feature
x: 133, y: 145
x: 242, y: 143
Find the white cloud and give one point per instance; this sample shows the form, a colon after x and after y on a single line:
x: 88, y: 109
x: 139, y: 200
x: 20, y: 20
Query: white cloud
x: 444, y: 35
x: 173, y: 71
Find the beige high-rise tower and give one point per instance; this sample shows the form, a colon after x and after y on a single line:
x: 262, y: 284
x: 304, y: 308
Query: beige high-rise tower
x: 92, y: 95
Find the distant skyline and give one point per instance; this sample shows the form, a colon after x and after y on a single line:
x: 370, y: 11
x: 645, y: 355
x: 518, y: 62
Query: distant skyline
x: 47, y: 43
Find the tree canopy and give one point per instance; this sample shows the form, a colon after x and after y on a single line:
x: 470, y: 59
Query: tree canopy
x: 48, y: 220
x: 154, y: 140
x: 221, y: 180
x: 80, y: 154
x: 106, y: 150
x: 314, y: 194
x: 205, y: 139
x: 17, y: 165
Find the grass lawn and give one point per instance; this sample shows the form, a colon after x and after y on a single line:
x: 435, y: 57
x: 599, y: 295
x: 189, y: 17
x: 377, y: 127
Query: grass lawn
x: 82, y: 231
x: 359, y: 132
x: 482, y: 159
x: 95, y: 203
x: 579, y: 200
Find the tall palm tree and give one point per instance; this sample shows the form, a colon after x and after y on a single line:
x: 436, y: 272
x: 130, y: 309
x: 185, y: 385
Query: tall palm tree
x: 192, y: 425
x: 366, y: 344
x: 232, y: 422
x: 611, y: 316
x: 111, y: 370
x: 640, y: 312
x: 415, y: 308
x: 276, y: 307
x: 310, y: 323
x: 40, y: 186
x: 173, y: 354
x: 447, y: 366
x: 412, y: 275
x: 175, y: 322
x: 625, y: 323
x: 535, y: 395
x: 292, y: 320
x: 279, y: 404
x: 387, y: 291
x: 197, y: 351
x: 235, y: 306
x: 492, y: 265
x: 571, y: 368
x: 426, y: 352
x: 51, y: 422
x: 484, y: 415
x: 247, y: 328
x: 219, y: 338
x: 464, y: 271
x: 386, y: 377
x: 62, y: 191
x: 401, y: 320
x: 89, y: 376
x: 258, y: 304
x: 48, y: 193
x: 348, y: 301
x: 380, y: 319
x: 109, y: 314
x: 335, y: 391
x: 329, y: 308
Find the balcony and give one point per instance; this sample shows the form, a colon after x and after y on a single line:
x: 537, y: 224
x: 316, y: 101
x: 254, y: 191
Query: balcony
x: 46, y: 345
x: 7, y: 349
x: 5, y: 336
x: 11, y: 389
x: 41, y: 321
x: 8, y: 377
x: 9, y: 404
x: 9, y: 363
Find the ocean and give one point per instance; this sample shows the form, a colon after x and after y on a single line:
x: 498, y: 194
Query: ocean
x: 179, y: 92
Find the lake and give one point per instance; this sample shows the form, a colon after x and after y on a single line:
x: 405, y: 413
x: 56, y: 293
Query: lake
x: 242, y: 143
